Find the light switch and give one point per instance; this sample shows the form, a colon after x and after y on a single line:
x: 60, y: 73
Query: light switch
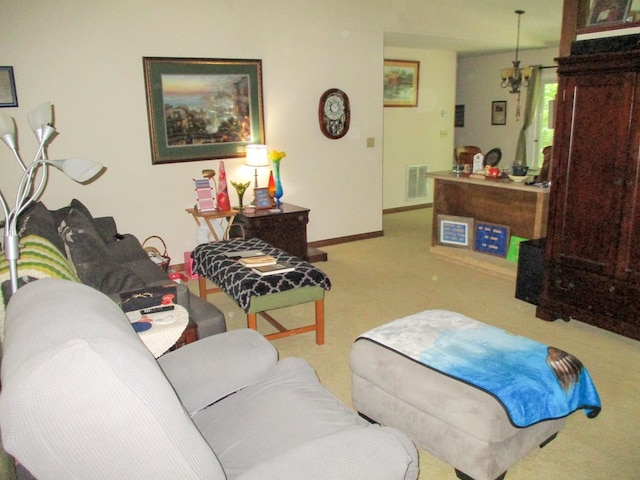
x: 371, y: 142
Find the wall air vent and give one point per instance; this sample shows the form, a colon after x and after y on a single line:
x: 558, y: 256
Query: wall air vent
x: 416, y: 182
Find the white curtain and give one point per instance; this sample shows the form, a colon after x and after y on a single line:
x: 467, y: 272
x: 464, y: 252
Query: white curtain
x: 531, y: 103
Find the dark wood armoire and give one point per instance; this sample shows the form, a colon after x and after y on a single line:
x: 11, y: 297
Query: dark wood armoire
x: 592, y: 254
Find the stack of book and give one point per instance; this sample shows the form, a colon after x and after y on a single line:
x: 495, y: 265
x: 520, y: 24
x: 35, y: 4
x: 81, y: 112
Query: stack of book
x: 266, y: 265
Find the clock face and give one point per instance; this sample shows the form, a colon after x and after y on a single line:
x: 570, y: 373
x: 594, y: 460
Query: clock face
x: 334, y: 107
x: 334, y: 114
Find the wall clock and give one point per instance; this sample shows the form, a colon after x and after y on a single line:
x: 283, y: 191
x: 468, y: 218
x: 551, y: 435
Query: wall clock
x: 334, y: 113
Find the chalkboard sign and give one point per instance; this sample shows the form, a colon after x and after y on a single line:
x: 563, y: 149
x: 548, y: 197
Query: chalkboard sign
x: 492, y: 239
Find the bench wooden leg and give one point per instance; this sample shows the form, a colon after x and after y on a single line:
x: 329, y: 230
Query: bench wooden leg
x: 202, y: 285
x: 252, y: 321
x: 318, y: 326
x: 320, y: 322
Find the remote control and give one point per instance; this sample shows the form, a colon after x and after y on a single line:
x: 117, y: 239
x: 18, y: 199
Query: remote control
x: 161, y: 308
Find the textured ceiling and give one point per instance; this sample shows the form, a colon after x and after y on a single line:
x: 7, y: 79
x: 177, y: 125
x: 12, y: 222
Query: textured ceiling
x: 472, y: 27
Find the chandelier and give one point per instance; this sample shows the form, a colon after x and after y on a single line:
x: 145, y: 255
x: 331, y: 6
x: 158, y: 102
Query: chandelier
x: 515, y: 76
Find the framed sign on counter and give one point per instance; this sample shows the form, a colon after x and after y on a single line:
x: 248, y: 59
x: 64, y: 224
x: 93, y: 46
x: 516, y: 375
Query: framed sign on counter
x: 455, y: 231
x: 492, y: 239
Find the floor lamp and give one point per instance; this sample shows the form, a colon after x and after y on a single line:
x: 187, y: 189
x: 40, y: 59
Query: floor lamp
x: 78, y: 169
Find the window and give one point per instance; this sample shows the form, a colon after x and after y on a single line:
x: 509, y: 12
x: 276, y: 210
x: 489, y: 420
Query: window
x: 543, y: 125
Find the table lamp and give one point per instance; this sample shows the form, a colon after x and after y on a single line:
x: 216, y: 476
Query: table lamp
x: 257, y: 157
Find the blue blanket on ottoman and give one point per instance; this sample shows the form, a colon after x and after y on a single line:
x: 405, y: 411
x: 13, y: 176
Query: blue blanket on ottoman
x: 533, y: 382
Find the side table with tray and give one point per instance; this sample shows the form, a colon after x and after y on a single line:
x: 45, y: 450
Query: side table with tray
x: 163, y: 330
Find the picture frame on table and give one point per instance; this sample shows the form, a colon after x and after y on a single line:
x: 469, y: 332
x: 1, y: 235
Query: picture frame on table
x: 8, y: 94
x: 608, y: 12
x: 202, y: 108
x: 499, y: 112
x: 455, y: 231
x: 262, y: 198
x: 401, y: 83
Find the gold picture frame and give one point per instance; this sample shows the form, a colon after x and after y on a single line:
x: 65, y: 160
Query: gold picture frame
x: 401, y: 80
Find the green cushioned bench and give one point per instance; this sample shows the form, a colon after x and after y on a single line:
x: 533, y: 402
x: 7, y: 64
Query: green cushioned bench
x: 257, y: 294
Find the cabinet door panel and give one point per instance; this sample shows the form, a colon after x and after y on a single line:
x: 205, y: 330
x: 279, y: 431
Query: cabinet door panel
x: 590, y: 170
x: 629, y: 257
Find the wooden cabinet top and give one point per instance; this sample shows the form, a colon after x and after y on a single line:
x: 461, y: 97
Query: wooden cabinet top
x: 286, y: 208
x: 487, y: 182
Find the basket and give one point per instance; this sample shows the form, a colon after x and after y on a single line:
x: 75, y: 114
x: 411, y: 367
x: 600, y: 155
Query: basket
x: 160, y: 259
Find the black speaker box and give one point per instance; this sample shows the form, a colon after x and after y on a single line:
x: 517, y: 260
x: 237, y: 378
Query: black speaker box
x: 530, y: 269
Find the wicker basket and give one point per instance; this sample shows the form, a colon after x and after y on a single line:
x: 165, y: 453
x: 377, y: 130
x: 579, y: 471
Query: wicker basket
x: 160, y: 259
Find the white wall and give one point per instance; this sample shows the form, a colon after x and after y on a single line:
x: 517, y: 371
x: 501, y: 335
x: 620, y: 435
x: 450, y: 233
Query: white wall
x: 86, y: 57
x: 478, y: 84
x: 421, y: 135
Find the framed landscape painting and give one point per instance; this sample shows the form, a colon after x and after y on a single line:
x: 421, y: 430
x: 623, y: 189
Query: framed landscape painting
x: 202, y: 109
x: 401, y: 83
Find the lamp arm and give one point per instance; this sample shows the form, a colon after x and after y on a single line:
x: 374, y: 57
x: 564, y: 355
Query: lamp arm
x: 26, y: 186
x: 5, y: 209
x: 18, y: 158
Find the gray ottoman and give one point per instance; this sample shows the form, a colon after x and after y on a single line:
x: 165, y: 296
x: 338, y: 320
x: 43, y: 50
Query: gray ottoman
x: 460, y: 424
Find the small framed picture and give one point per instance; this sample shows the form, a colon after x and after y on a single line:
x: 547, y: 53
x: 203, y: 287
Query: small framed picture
x: 459, y: 116
x: 263, y: 200
x: 401, y: 83
x: 499, y: 112
x: 8, y: 96
x: 455, y: 231
x: 608, y: 12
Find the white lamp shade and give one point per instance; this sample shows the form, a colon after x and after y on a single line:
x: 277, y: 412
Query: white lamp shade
x: 7, y: 126
x: 78, y: 169
x: 257, y: 156
x: 40, y: 117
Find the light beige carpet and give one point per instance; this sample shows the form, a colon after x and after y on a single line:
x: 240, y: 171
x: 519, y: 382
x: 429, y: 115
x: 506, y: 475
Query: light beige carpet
x: 381, y: 279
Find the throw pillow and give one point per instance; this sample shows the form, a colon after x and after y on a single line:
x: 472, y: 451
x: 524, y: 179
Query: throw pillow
x: 38, y: 220
x: 87, y: 252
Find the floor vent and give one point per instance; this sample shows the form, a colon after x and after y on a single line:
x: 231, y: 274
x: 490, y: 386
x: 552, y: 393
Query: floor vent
x: 416, y: 181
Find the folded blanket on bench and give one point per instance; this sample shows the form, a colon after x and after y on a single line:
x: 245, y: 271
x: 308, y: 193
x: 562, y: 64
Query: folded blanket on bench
x: 533, y: 382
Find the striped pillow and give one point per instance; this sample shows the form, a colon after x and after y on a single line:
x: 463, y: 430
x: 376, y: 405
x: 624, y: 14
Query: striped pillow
x: 39, y: 258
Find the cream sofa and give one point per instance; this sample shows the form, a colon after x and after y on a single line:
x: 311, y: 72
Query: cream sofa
x: 82, y: 397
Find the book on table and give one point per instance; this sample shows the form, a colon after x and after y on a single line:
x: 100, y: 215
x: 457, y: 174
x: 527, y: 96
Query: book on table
x: 280, y: 267
x: 243, y: 254
x: 257, y: 261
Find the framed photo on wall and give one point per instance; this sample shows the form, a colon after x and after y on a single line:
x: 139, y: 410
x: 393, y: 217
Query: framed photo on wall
x: 459, y: 116
x: 499, y: 112
x: 8, y: 95
x: 202, y: 109
x: 401, y: 83
x: 608, y: 12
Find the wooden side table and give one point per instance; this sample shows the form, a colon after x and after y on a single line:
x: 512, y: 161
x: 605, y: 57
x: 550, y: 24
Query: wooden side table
x: 207, y: 217
x: 285, y: 229
x: 189, y: 335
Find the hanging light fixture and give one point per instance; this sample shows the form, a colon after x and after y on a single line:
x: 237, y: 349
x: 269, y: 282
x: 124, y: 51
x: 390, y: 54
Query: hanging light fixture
x: 515, y: 77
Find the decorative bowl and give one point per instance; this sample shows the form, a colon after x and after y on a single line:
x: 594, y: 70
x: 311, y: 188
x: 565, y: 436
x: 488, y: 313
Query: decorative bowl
x: 518, y: 178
